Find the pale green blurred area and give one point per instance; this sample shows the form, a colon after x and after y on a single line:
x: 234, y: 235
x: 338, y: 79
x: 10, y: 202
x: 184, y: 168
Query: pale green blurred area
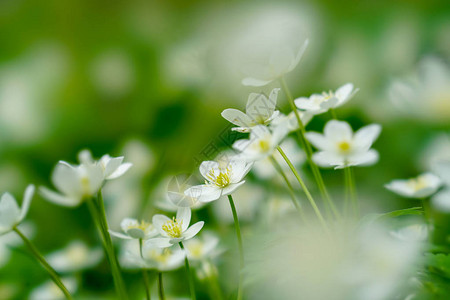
x: 148, y: 79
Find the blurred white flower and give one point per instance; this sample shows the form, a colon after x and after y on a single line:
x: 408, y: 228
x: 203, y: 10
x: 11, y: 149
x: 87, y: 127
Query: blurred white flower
x: 422, y: 186
x: 442, y: 169
x: 175, y: 230
x: 10, y: 240
x: 135, y: 230
x: 365, y: 263
x: 426, y: 95
x: 320, y: 103
x: 222, y: 178
x: 76, y: 256
x: 113, y: 167
x: 281, y: 60
x: 437, y: 149
x: 441, y: 201
x: 261, y: 144
x: 50, y: 291
x: 247, y: 200
x: 161, y: 259
x: 289, y: 122
x: 74, y: 183
x: 10, y: 213
x: 412, y: 233
x: 201, y: 248
x: 264, y: 169
x: 340, y: 148
x: 113, y: 73
x: 260, y: 110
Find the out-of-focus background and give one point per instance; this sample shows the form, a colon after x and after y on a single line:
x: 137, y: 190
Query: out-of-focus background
x: 149, y: 79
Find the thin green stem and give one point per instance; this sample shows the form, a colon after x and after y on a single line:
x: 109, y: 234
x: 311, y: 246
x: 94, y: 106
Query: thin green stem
x: 351, y: 190
x: 144, y: 274
x: 301, y: 133
x: 160, y: 287
x: 98, y: 214
x: 333, y: 113
x: 55, y: 277
x: 305, y: 190
x: 240, y: 245
x: 189, y: 274
x: 297, y: 205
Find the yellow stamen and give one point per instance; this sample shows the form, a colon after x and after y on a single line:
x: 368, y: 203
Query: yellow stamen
x: 222, y: 180
x: 344, y: 146
x: 173, y: 228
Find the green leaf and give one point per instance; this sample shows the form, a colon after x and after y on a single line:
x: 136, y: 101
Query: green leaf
x: 396, y: 213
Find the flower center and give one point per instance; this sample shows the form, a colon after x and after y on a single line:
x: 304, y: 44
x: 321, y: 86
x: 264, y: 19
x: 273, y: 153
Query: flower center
x: 77, y: 254
x: 417, y: 183
x: 328, y: 95
x: 222, y: 180
x: 264, y: 145
x: 85, y: 186
x: 161, y: 257
x: 196, y: 249
x: 173, y: 228
x: 140, y: 225
x: 344, y: 146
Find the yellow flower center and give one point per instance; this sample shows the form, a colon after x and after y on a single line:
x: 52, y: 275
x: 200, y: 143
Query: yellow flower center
x: 196, y: 249
x: 77, y: 254
x: 142, y: 225
x: 344, y: 146
x: 417, y: 183
x: 161, y: 257
x: 85, y: 186
x: 173, y: 228
x: 264, y: 145
x: 328, y: 95
x: 222, y: 180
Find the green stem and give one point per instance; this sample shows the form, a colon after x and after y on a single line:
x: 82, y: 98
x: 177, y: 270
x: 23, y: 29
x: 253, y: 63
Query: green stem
x: 98, y: 214
x: 297, y: 205
x: 214, y: 285
x: 144, y: 274
x: 352, y: 191
x: 333, y: 113
x: 240, y: 245
x: 308, y: 150
x: 55, y: 277
x: 305, y: 189
x: 189, y: 274
x: 160, y: 286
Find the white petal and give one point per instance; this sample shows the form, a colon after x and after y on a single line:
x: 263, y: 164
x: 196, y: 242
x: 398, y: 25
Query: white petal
x: 344, y: 92
x: 319, y: 141
x: 85, y: 157
x: 259, y: 108
x: 159, y: 242
x: 442, y: 169
x: 122, y: 169
x: 136, y: 233
x: 9, y: 211
x: 237, y: 117
x: 29, y: 192
x: 400, y: 187
x: 204, y: 193
x: 231, y: 188
x: 307, y: 104
x: 158, y: 221
x: 299, y: 55
x: 250, y: 81
x: 241, y: 145
x: 127, y: 223
x: 95, y: 176
x: 364, y: 159
x: 119, y: 235
x: 58, y: 198
x: 327, y: 159
x: 193, y: 230
x: 365, y: 136
x: 66, y: 179
x: 259, y: 132
x: 338, y: 131
x: 184, y: 216
x: 111, y: 164
x: 206, y: 167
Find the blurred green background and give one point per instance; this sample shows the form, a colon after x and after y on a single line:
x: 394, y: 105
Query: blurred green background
x: 105, y: 75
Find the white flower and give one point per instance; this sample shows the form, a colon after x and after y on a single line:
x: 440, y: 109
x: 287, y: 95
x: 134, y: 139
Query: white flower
x: 281, y: 61
x: 320, y: 103
x: 422, y: 186
x: 412, y: 233
x: 221, y: 179
x: 112, y: 167
x: 198, y: 249
x: 442, y: 169
x: 163, y: 259
x: 261, y: 144
x: 135, y: 230
x: 289, y: 122
x: 50, y: 291
x: 441, y: 201
x: 264, y: 169
x: 260, y: 110
x: 174, y: 230
x: 74, y: 183
x: 10, y: 213
x: 341, y: 148
x: 74, y: 257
